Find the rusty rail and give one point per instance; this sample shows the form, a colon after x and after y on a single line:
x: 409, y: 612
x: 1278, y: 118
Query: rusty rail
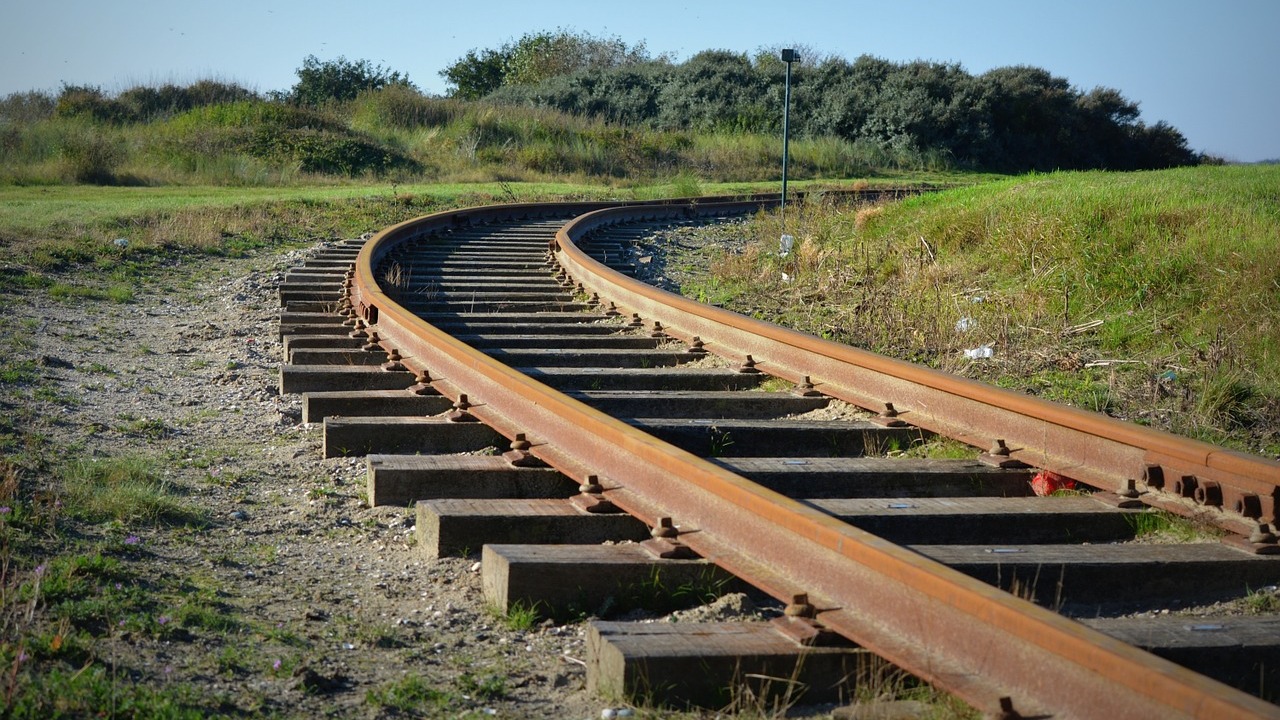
x: 1104, y: 452
x: 1002, y: 654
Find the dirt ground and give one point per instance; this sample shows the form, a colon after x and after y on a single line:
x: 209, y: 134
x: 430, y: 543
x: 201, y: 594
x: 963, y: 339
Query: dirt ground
x: 330, y: 597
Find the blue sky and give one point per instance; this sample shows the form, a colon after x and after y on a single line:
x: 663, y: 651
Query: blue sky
x: 1212, y: 70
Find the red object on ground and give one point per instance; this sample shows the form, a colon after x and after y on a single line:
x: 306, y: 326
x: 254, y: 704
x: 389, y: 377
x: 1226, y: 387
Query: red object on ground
x: 1047, y: 482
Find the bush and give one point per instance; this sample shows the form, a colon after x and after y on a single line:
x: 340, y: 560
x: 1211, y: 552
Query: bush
x: 93, y: 155
x: 327, y: 152
x: 89, y: 102
x: 404, y: 108
x: 143, y: 103
x: 26, y: 108
x: 320, y: 82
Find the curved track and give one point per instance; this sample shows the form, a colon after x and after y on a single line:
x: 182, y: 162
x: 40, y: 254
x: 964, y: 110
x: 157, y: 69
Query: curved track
x: 1003, y: 654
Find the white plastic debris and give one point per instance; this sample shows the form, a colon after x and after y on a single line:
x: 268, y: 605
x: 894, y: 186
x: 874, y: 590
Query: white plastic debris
x: 786, y: 278
x: 965, y: 324
x: 785, y: 244
x: 979, y: 353
x: 121, y: 242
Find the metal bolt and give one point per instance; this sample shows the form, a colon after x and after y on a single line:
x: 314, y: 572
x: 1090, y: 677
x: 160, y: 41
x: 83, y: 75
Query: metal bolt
x: 695, y: 346
x: 657, y: 330
x: 806, y: 388
x: 393, y: 363
x: 519, y: 455
x: 1185, y: 486
x: 1128, y: 489
x: 1262, y: 534
x: 460, y: 411
x: 422, y: 384
x: 635, y: 321
x: 372, y: 344
x: 889, y: 417
x: 1249, y: 505
x: 1208, y: 493
x: 748, y: 366
x: 592, y: 485
x: 665, y: 528
x: 799, y: 606
x: 998, y: 447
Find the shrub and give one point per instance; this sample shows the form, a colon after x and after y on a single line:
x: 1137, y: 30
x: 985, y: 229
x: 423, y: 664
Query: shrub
x: 324, y: 151
x: 26, y: 108
x: 88, y: 101
x: 145, y: 103
x: 320, y: 82
x: 404, y: 108
x: 92, y: 155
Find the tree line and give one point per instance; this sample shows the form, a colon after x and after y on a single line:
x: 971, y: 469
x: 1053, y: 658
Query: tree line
x: 1011, y: 118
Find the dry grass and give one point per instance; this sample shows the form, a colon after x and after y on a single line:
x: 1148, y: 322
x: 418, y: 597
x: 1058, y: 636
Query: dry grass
x: 1148, y: 296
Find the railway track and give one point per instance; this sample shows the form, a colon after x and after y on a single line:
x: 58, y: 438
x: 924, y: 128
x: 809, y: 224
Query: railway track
x: 645, y: 442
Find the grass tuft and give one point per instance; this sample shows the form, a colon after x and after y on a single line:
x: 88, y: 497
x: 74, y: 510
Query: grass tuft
x: 1158, y: 526
x: 128, y: 490
x: 412, y: 694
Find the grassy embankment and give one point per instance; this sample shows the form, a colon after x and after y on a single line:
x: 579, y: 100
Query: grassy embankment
x: 1153, y: 296
x: 393, y: 135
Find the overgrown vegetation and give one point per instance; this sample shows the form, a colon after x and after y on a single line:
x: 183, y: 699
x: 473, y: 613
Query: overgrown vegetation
x: 388, y: 133
x: 563, y: 104
x: 1149, y: 296
x: 1011, y: 118
x: 67, y: 583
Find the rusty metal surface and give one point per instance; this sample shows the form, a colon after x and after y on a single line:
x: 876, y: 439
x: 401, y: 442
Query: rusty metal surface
x: 1090, y: 447
x: 998, y: 652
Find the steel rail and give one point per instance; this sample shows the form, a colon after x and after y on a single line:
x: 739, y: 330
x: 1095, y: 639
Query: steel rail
x: 1002, y: 654
x: 1104, y: 452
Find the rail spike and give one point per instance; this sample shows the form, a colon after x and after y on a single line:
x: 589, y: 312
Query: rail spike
x: 462, y: 411
x: 591, y: 499
x: 519, y: 455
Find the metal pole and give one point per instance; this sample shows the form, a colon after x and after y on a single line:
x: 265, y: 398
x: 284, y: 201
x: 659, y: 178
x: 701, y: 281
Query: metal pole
x: 788, y: 56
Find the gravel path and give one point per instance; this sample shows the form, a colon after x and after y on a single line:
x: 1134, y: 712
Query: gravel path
x: 329, y: 598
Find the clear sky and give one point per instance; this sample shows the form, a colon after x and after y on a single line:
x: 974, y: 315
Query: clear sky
x: 1210, y: 69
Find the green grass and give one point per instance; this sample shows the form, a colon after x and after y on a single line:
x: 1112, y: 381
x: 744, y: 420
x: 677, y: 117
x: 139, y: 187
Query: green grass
x: 1262, y: 602
x: 519, y: 616
x: 1151, y: 296
x: 940, y: 448
x: 85, y: 692
x: 412, y: 694
x: 17, y: 372
x: 1159, y: 526
x: 126, y: 489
